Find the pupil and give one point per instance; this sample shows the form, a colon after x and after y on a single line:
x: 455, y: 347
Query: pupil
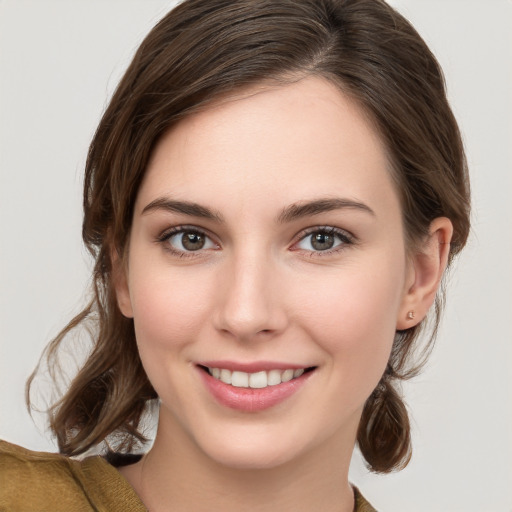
x: 192, y: 241
x: 322, y: 241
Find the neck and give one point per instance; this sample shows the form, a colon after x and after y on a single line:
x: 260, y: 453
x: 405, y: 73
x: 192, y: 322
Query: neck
x: 175, y: 475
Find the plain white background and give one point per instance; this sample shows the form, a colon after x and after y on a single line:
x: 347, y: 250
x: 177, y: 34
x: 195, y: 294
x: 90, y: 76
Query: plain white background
x: 59, y: 63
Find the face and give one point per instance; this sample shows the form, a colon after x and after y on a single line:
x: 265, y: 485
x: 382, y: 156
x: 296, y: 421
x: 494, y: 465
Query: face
x: 267, y: 251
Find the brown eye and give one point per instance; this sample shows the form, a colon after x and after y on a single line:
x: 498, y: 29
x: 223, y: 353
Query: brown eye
x: 192, y: 241
x: 188, y: 240
x: 324, y: 239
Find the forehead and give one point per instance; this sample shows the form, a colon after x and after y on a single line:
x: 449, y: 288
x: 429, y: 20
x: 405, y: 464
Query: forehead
x: 305, y: 138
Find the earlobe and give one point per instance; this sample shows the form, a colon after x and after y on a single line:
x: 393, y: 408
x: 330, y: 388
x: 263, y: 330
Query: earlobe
x: 120, y: 284
x: 427, y: 266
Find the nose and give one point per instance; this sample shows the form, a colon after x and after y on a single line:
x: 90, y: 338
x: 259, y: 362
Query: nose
x: 251, y: 299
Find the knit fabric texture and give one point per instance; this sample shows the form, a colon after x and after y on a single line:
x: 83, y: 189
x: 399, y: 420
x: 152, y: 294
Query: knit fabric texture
x: 50, y: 482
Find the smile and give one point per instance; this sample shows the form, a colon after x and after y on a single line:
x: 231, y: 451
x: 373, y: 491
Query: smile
x: 256, y: 390
x: 257, y: 380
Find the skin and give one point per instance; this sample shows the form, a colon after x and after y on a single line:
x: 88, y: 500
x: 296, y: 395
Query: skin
x: 259, y: 291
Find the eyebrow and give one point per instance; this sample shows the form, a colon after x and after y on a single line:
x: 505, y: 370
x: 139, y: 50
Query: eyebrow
x: 317, y: 206
x: 293, y: 212
x: 183, y: 207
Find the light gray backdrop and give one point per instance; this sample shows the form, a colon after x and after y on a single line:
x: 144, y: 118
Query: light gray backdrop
x: 59, y: 62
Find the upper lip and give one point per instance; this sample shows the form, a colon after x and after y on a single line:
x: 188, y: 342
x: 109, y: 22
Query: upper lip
x: 252, y: 367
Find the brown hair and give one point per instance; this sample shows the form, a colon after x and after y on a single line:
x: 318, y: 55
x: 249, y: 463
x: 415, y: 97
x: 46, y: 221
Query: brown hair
x: 206, y: 48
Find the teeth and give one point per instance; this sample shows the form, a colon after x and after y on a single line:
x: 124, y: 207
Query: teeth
x: 225, y: 376
x: 240, y: 379
x: 274, y: 377
x: 287, y: 375
x: 256, y: 380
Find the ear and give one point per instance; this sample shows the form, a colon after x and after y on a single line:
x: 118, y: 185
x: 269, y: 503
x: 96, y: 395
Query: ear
x: 426, y: 267
x: 120, y: 284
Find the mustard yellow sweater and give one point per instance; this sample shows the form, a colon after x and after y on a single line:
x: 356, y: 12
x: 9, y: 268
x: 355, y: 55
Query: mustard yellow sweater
x: 48, y: 482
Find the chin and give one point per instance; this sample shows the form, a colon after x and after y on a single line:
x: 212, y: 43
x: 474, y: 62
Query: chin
x: 250, y: 457
x: 257, y: 447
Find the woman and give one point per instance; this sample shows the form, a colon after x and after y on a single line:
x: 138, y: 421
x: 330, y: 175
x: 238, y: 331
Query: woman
x: 272, y: 198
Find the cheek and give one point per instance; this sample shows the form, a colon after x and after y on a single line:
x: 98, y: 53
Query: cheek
x: 167, y: 309
x: 353, y: 319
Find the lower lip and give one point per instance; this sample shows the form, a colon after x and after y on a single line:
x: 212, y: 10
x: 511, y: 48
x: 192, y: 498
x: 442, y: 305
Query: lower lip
x: 251, y: 399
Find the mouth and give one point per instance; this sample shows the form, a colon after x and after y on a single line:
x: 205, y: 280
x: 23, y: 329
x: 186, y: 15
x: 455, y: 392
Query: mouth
x: 255, y: 380
x: 256, y: 390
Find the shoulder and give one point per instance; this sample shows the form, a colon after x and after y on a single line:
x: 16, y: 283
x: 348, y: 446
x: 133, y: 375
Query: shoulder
x: 361, y: 505
x: 37, y: 481
x: 52, y: 482
x: 14, y: 458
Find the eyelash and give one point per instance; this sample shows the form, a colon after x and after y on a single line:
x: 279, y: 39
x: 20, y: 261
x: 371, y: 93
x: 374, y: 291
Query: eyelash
x: 168, y: 234
x: 345, y: 239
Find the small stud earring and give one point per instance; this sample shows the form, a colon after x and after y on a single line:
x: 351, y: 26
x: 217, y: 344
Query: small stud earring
x: 410, y: 315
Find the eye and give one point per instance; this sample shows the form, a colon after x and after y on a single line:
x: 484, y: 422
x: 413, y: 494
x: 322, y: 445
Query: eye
x: 186, y: 240
x: 323, y: 240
